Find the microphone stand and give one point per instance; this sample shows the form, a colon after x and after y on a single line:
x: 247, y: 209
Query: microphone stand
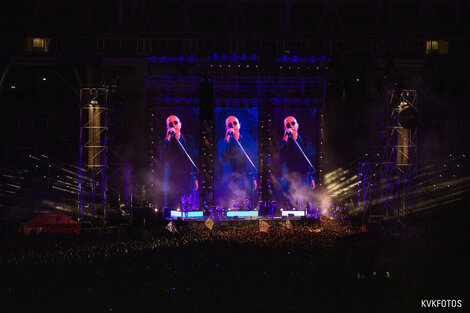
x: 248, y: 158
x: 302, y: 151
x: 244, y: 152
x: 192, y: 162
x: 184, y: 150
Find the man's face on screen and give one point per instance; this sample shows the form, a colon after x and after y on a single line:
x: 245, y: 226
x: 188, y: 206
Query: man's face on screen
x: 173, y: 122
x: 232, y: 122
x: 291, y: 123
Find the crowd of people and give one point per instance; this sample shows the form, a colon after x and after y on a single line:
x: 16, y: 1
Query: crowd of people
x: 191, y: 266
x: 47, y: 248
x: 301, y: 265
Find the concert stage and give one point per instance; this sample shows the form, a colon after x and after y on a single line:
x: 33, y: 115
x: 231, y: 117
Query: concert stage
x: 222, y: 214
x: 262, y: 147
x: 252, y: 214
x: 236, y: 143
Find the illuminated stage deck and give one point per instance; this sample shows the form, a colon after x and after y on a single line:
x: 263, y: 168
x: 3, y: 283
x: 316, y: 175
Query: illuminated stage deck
x: 252, y: 214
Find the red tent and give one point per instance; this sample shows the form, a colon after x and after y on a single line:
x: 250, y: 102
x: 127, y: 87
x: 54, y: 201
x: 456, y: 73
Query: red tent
x: 50, y: 222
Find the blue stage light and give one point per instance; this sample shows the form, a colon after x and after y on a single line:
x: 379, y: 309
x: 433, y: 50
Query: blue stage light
x: 176, y: 214
x: 195, y: 214
x: 242, y: 213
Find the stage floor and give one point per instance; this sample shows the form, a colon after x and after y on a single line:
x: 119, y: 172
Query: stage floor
x: 245, y: 215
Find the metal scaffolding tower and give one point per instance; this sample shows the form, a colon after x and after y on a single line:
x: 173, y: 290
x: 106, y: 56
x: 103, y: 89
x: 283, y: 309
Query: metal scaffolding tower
x: 93, y: 153
x: 265, y: 148
x: 405, y: 148
x: 396, y: 185
x: 207, y: 175
x: 364, y: 176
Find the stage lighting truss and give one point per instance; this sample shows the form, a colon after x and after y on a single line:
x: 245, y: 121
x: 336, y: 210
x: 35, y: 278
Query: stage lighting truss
x: 364, y: 176
x: 399, y: 160
x: 297, y: 61
x: 207, y: 174
x: 265, y: 148
x: 391, y: 193
x: 233, y: 59
x: 93, y: 152
x: 98, y: 175
x: 288, y: 91
x: 405, y: 141
x: 236, y: 102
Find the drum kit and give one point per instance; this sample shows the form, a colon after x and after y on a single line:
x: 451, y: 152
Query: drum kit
x: 240, y: 204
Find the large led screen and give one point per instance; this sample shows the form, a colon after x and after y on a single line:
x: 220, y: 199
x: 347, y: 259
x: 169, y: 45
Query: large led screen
x: 236, y: 131
x: 177, y: 133
x: 294, y: 158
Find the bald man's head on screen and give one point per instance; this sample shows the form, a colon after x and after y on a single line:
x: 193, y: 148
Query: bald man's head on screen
x: 291, y: 128
x: 232, y: 127
x: 173, y: 127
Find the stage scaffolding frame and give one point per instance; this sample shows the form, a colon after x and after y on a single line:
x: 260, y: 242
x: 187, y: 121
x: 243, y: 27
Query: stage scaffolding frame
x: 233, y: 91
x: 238, y: 90
x: 398, y: 165
x: 364, y: 175
x: 93, y: 151
x: 120, y: 177
x: 93, y: 162
x: 265, y: 133
x: 207, y: 175
x: 406, y: 152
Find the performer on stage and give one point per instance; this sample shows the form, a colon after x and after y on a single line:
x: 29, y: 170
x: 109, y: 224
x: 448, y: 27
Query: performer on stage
x: 239, y: 175
x: 295, y: 168
x: 179, y: 175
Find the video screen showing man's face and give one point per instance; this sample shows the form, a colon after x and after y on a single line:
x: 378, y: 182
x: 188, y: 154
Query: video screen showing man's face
x: 236, y: 132
x: 173, y: 123
x: 178, y: 139
x: 294, y: 160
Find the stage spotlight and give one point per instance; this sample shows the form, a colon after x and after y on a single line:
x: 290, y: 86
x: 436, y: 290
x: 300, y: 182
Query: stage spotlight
x: 408, y: 118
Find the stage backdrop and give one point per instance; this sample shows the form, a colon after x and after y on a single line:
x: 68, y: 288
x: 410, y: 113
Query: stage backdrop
x: 292, y: 175
x: 175, y: 176
x: 234, y: 175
